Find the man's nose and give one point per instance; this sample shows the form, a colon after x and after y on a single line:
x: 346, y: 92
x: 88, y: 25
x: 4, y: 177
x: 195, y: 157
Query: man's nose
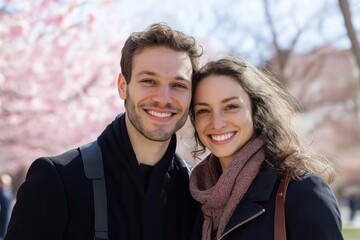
x: 163, y: 95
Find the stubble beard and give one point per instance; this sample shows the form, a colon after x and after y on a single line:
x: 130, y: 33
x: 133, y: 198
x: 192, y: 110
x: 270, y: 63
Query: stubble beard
x: 158, y: 135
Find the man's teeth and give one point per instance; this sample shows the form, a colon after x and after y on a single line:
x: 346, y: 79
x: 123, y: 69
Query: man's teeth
x: 160, y: 115
x: 222, y: 137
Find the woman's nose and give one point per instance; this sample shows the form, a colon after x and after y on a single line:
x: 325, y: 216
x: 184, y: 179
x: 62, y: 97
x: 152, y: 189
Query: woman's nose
x: 219, y: 121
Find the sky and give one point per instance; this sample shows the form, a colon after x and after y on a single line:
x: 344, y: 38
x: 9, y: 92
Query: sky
x: 232, y: 25
x: 237, y: 26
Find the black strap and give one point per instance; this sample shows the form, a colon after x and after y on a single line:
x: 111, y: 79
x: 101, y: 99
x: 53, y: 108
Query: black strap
x: 94, y: 170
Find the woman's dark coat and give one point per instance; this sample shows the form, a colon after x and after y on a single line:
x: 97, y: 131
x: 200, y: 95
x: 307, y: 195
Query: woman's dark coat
x: 311, y: 210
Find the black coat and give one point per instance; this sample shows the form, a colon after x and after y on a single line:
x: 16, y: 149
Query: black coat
x: 311, y: 210
x: 56, y: 200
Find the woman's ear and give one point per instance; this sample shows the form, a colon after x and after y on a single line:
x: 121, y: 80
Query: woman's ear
x: 121, y: 82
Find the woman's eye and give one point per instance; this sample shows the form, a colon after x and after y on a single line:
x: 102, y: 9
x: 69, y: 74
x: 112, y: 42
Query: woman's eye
x: 232, y: 106
x: 201, y: 111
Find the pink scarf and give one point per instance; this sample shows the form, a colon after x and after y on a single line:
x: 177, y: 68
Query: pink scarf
x: 219, y: 193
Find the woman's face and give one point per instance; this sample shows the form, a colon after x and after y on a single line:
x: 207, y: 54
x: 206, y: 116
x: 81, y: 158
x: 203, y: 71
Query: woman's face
x: 223, y: 116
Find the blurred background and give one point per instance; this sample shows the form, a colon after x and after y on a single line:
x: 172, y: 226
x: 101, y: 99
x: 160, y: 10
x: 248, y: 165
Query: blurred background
x: 59, y: 61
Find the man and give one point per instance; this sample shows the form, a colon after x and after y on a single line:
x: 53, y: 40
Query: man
x: 6, y: 201
x: 146, y: 182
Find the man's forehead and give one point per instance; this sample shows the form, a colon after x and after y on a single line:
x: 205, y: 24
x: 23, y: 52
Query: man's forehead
x: 162, y: 61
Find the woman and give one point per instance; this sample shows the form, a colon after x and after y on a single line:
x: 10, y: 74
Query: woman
x: 243, y: 117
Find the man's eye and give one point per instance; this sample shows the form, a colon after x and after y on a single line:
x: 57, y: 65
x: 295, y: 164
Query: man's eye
x: 148, y: 81
x: 179, y: 85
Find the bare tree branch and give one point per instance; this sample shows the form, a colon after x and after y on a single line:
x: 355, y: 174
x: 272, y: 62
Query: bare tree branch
x: 344, y: 6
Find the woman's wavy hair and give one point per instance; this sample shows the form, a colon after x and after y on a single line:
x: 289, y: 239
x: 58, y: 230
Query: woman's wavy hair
x: 158, y: 34
x: 273, y: 110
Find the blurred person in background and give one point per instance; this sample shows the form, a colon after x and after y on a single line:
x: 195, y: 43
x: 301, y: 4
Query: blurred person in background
x: 6, y: 202
x: 352, y: 203
x: 147, y: 184
x: 244, y: 118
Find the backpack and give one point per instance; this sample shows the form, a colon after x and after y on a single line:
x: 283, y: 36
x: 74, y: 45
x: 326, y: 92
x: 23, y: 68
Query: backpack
x: 93, y: 167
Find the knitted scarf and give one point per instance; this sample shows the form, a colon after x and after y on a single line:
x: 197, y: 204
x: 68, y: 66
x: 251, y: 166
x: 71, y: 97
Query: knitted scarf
x: 219, y: 193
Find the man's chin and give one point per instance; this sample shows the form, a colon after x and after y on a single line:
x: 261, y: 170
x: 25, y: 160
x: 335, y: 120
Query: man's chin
x: 159, y: 135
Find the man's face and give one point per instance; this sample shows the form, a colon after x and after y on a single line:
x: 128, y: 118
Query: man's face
x: 159, y: 93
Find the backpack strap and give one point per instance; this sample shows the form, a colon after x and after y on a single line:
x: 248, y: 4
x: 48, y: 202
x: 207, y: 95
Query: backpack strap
x: 94, y: 170
x: 279, y: 218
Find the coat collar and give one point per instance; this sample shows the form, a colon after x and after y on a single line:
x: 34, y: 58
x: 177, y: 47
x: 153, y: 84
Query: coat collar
x: 259, y: 191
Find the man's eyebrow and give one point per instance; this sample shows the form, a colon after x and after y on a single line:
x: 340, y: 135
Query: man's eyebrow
x: 150, y: 73
x: 146, y: 73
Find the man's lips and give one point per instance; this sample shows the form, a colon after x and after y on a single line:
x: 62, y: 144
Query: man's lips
x: 160, y: 114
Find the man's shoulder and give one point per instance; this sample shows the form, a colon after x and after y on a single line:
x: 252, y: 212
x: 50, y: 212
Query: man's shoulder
x: 65, y: 169
x: 66, y: 164
x: 66, y: 157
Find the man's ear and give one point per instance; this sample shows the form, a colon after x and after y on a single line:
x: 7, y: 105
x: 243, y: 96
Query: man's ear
x: 121, y: 82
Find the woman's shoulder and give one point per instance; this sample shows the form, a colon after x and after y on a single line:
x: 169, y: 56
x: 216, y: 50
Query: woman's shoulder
x: 311, y: 203
x: 309, y: 187
x: 308, y: 181
x: 309, y: 194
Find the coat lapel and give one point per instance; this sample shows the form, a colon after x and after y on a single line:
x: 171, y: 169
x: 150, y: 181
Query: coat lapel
x: 259, y: 191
